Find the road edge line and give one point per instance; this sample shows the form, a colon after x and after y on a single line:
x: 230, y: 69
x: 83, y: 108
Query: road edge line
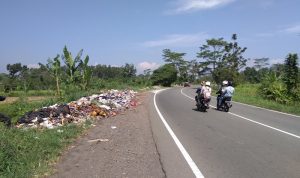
x: 183, y: 151
x: 265, y: 125
x: 264, y: 108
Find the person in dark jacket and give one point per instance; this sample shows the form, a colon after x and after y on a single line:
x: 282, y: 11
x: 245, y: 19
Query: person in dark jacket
x: 220, y: 93
x: 198, y: 91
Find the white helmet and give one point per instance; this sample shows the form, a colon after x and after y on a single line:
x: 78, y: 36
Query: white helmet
x: 207, y: 83
x: 225, y: 82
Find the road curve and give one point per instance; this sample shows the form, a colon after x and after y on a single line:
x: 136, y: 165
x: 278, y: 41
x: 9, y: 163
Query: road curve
x: 247, y: 142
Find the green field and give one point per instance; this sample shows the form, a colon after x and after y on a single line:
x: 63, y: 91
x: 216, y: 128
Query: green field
x: 248, y: 94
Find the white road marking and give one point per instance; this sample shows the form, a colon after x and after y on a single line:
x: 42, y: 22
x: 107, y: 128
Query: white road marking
x: 279, y: 130
x: 185, y: 154
x: 282, y: 131
x: 264, y: 108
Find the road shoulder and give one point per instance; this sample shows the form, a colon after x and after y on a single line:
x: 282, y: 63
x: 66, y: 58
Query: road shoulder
x: 125, y: 148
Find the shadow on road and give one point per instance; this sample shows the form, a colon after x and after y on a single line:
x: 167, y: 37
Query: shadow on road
x: 195, y: 109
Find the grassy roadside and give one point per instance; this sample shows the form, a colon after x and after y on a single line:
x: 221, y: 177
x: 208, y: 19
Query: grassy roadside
x: 247, y: 94
x: 28, y: 153
x: 31, y: 152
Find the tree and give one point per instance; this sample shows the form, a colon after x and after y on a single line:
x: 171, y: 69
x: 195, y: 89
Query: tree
x: 129, y: 71
x: 260, y: 63
x: 183, y: 71
x: 278, y: 69
x: 86, y: 73
x: 233, y: 56
x: 15, y: 69
x: 107, y: 72
x: 194, y: 68
x: 263, y: 72
x: 212, y: 51
x: 164, y: 75
x: 24, y: 77
x: 17, y: 76
x: 71, y: 64
x: 251, y: 75
x: 291, y: 72
x: 232, y: 61
x: 54, y: 68
x: 147, y: 72
x: 176, y: 59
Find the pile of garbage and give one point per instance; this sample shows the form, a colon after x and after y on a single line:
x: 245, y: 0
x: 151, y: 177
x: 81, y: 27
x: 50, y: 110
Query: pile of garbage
x: 99, y: 106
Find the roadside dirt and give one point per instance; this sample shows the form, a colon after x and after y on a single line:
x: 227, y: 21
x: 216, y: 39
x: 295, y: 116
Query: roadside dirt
x: 125, y: 148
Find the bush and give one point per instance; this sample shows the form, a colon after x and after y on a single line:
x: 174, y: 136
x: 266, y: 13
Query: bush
x: 273, y: 88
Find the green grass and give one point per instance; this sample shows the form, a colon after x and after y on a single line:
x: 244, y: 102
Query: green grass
x: 248, y: 93
x: 29, y: 93
x: 27, y: 153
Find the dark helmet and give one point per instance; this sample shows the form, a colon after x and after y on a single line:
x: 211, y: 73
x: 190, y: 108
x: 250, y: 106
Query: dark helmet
x: 229, y: 83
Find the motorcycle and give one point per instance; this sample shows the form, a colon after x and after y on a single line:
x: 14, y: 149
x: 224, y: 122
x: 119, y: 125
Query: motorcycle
x: 202, y: 103
x: 225, y: 105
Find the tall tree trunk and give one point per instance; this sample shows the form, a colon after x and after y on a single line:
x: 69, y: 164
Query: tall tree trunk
x: 57, y: 86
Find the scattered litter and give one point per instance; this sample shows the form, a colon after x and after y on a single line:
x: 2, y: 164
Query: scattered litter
x: 113, y: 127
x: 97, y: 106
x: 60, y: 131
x: 98, y: 140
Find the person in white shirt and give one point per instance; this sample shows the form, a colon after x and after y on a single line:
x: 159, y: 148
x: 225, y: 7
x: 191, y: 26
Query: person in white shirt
x: 206, y: 91
x: 226, y: 94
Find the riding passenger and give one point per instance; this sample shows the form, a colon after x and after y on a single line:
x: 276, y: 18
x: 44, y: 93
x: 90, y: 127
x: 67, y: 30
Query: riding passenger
x: 226, y: 95
x: 198, y: 91
x: 221, y: 92
x: 206, y: 91
x: 229, y: 91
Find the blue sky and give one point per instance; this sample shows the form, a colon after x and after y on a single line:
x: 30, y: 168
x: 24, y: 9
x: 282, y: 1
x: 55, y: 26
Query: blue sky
x: 116, y: 32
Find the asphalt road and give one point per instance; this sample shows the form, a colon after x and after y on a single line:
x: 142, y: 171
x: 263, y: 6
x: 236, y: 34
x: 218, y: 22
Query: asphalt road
x: 246, y: 142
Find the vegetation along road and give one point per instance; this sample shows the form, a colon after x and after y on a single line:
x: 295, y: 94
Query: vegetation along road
x: 245, y: 142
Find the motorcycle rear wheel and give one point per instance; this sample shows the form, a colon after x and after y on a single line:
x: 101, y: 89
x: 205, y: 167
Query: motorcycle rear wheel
x: 226, y: 108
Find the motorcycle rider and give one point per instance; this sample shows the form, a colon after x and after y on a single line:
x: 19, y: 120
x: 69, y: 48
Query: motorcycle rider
x: 205, y: 93
x: 220, y: 93
x: 198, y: 91
x: 228, y: 93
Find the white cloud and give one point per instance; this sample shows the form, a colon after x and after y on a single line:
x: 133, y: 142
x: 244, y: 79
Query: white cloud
x: 276, y: 61
x: 33, y: 66
x: 147, y: 65
x: 178, y: 40
x: 183, y: 6
x: 293, y: 29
